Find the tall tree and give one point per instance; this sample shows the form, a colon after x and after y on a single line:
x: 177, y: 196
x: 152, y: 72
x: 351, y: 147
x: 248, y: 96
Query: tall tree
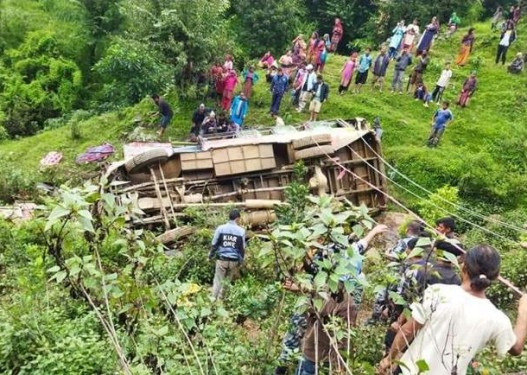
x: 268, y: 24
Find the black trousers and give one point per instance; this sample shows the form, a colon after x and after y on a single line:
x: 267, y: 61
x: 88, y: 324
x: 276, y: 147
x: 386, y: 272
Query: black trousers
x: 437, y: 94
x: 502, y: 53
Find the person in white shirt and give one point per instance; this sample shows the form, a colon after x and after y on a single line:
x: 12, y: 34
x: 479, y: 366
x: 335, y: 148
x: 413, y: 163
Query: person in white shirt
x: 308, y: 82
x: 453, y: 323
x: 442, y: 83
x: 506, y: 39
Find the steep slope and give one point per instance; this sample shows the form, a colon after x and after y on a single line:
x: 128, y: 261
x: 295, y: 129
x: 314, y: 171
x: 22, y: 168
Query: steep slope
x: 482, y: 152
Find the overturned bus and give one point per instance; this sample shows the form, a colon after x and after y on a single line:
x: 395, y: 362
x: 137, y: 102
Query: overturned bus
x: 252, y: 169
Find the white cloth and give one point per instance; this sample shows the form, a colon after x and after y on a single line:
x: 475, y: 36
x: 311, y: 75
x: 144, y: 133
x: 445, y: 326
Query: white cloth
x: 446, y: 74
x: 456, y: 323
x: 505, y: 41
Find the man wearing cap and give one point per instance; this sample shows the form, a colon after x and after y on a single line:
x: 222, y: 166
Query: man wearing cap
x: 308, y: 81
x: 278, y: 88
x: 228, y: 248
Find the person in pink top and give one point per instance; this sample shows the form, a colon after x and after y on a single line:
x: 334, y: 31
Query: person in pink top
x: 346, y: 73
x: 267, y: 60
x: 231, y: 80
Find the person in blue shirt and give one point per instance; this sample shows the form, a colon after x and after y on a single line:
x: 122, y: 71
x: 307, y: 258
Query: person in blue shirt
x: 228, y: 248
x: 365, y: 62
x: 278, y: 88
x: 442, y: 117
x: 239, y: 109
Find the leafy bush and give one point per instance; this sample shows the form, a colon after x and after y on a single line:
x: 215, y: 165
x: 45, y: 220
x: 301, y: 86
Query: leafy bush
x: 130, y: 71
x: 39, y: 83
x: 436, y: 205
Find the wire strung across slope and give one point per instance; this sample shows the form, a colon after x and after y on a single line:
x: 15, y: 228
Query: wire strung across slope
x: 505, y: 282
x: 436, y: 206
x: 459, y: 207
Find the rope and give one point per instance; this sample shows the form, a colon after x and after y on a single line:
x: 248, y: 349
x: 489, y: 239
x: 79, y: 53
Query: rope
x: 459, y: 207
x: 436, y: 206
x: 505, y: 282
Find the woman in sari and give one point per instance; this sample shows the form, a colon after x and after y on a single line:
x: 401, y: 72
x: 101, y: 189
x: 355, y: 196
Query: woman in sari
x: 468, y: 89
x: 315, y: 48
x: 412, y: 31
x: 428, y: 36
x: 346, y: 73
x: 250, y: 78
x: 230, y: 82
x: 299, y: 50
x: 466, y: 48
x: 267, y: 60
x: 336, y: 35
x: 395, y: 40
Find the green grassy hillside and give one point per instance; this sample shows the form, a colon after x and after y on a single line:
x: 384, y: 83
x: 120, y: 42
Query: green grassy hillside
x: 482, y: 152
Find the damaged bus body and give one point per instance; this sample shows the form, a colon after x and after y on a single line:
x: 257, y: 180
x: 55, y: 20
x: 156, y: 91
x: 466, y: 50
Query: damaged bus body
x: 251, y: 170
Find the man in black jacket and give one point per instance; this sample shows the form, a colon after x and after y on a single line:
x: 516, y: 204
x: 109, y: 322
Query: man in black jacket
x: 320, y: 93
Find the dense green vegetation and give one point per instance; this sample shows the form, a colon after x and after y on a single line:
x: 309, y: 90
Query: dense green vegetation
x: 80, y: 293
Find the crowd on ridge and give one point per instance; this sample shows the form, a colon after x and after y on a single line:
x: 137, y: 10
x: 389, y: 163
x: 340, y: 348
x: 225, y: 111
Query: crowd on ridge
x: 299, y: 71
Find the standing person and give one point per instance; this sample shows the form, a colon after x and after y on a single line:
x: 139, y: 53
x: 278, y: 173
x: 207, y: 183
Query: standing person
x: 380, y: 66
x: 401, y: 63
x: 516, y: 14
x: 428, y: 36
x: 442, y: 83
x: 417, y: 74
x: 278, y: 88
x: 239, y: 109
x: 299, y: 50
x: 467, y: 90
x: 362, y: 73
x: 496, y: 18
x: 228, y: 248
x: 164, y: 111
x: 336, y: 35
x: 216, y: 81
x: 320, y: 94
x: 297, y: 84
x: 324, y: 54
x: 286, y: 63
x: 315, y: 47
x: 230, y: 82
x: 309, y: 79
x: 346, y: 73
x: 228, y: 64
x: 506, y: 39
x: 466, y: 47
x: 453, y: 24
x: 453, y: 323
x: 266, y: 61
x: 250, y: 77
x: 412, y: 32
x: 442, y: 117
x: 395, y: 40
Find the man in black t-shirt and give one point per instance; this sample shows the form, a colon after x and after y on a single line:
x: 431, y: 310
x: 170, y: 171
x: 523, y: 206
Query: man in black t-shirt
x: 165, y: 111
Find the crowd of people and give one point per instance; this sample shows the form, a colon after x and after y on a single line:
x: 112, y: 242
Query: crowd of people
x: 451, y: 319
x: 300, y: 71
